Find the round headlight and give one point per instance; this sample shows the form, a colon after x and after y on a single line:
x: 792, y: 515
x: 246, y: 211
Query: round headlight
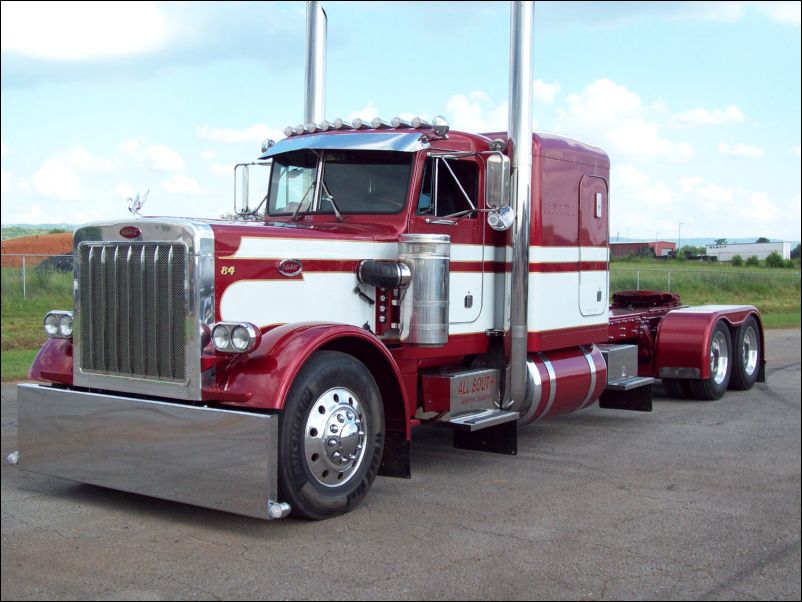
x: 65, y: 326
x: 51, y: 325
x: 221, y: 338
x: 240, y: 338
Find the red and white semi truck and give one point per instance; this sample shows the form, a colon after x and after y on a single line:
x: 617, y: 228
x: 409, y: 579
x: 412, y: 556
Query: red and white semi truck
x: 402, y: 274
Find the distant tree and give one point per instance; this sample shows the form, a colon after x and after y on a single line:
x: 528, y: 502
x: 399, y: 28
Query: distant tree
x: 693, y: 250
x: 721, y: 241
x: 774, y: 260
x: 681, y: 255
x: 790, y: 263
x: 762, y: 239
x: 795, y: 253
x: 737, y: 261
x: 752, y: 261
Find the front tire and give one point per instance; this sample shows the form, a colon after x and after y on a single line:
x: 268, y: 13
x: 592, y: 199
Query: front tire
x: 720, y: 354
x: 747, y: 357
x: 331, y: 436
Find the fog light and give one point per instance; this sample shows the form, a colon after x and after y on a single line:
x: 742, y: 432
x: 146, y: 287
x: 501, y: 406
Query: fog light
x: 235, y: 337
x: 243, y: 337
x: 51, y: 325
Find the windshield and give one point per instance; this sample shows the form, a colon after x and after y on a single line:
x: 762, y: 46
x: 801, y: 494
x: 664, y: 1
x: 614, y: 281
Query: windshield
x: 352, y: 181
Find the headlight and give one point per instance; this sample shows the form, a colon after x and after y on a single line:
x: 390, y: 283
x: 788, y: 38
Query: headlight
x: 58, y: 324
x: 235, y: 337
x: 65, y: 326
x: 221, y: 338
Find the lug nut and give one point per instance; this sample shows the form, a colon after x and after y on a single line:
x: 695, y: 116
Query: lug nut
x: 350, y: 416
x: 340, y: 418
x: 332, y: 442
x: 334, y: 428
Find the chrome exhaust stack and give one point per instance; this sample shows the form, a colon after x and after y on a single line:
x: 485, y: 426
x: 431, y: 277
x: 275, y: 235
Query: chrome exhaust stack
x: 315, y: 72
x: 520, y: 143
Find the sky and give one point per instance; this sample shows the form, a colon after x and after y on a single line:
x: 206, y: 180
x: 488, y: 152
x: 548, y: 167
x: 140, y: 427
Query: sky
x: 696, y: 103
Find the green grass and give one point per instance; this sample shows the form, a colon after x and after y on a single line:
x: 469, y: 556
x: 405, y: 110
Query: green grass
x: 15, y: 364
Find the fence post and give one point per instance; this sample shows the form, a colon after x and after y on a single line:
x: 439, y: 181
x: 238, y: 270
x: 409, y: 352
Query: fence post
x: 669, y: 281
x: 24, y: 292
x: 638, y: 285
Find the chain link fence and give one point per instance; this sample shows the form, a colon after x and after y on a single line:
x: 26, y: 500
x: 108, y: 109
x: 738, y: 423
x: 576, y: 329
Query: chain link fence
x: 28, y: 276
x: 684, y: 280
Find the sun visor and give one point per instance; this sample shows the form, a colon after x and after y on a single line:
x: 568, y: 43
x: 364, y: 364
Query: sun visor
x: 408, y: 142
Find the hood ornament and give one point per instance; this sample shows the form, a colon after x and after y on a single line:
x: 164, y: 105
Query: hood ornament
x: 136, y: 203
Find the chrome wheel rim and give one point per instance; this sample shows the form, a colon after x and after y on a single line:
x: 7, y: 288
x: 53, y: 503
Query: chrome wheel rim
x: 749, y: 351
x: 334, y: 440
x: 719, y: 357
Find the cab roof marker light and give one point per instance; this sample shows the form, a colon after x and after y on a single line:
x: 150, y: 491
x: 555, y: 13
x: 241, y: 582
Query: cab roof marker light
x: 311, y: 127
x: 359, y: 123
x: 417, y: 122
x: 289, y: 131
x: 300, y: 129
x: 377, y: 123
x: 397, y: 122
x: 342, y: 124
x: 324, y: 126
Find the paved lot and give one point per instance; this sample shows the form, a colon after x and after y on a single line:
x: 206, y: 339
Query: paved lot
x: 693, y: 501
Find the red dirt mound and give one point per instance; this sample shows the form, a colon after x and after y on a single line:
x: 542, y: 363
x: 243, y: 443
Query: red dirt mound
x: 39, y: 245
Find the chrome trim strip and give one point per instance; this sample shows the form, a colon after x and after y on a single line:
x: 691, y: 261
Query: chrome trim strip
x: 405, y: 142
x: 198, y: 297
x: 142, y: 333
x: 592, y: 364
x: 129, y: 338
x: 103, y: 309
x: 552, y: 384
x: 76, y: 339
x: 116, y: 306
x: 220, y: 459
x: 537, y: 392
x: 170, y: 342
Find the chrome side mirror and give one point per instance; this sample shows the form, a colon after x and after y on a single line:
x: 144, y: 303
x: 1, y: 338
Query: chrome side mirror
x: 497, y: 187
x: 246, y: 187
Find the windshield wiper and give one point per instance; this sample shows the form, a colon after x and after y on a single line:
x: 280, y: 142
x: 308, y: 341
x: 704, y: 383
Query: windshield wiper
x: 301, y: 202
x: 330, y: 198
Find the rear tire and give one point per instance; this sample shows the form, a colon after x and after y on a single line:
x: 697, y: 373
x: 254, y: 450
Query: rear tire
x: 747, y: 357
x: 331, y: 436
x: 678, y: 388
x: 720, y: 354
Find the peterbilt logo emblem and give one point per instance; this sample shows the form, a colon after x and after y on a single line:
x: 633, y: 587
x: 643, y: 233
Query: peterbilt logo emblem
x: 290, y: 267
x: 130, y: 231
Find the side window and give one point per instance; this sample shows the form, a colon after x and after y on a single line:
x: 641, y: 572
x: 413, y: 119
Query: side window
x: 457, y: 183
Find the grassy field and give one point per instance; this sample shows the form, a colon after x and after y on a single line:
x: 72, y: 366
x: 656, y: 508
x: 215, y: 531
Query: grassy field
x: 776, y: 292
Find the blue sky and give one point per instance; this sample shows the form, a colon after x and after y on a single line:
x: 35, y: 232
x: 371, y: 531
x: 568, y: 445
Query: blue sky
x: 697, y: 103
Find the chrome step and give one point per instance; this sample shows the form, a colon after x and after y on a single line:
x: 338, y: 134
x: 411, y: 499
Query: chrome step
x: 476, y: 421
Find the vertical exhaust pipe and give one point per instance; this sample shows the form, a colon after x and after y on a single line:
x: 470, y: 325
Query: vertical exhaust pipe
x: 520, y: 138
x: 315, y: 72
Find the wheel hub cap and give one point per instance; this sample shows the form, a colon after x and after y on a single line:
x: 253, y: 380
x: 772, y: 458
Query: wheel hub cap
x: 334, y: 441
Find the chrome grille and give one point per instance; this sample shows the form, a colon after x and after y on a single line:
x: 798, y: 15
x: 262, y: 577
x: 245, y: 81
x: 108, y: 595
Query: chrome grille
x: 133, y: 309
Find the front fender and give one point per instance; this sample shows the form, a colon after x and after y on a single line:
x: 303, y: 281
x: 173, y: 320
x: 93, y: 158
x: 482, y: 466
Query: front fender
x: 262, y: 378
x: 53, y: 362
x: 683, y: 338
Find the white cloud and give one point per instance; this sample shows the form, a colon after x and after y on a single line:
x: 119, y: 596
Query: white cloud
x: 782, y: 12
x: 255, y: 133
x: 5, y: 180
x: 713, y: 204
x: 640, y: 205
x: 220, y: 169
x: 34, y: 215
x: 545, y: 93
x: 57, y: 181
x: 3, y: 150
x: 182, y: 184
x: 796, y: 150
x: 80, y: 158
x: 740, y: 150
x: 369, y: 111
x: 125, y: 190
x: 699, y: 116
x: 159, y: 157
x: 476, y: 113
x: 208, y: 155
x: 609, y: 115
x: 79, y: 31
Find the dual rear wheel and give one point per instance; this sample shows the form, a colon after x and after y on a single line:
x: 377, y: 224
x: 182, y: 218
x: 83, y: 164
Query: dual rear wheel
x: 735, y: 361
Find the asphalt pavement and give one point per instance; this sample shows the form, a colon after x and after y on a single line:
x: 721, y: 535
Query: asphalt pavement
x: 695, y: 500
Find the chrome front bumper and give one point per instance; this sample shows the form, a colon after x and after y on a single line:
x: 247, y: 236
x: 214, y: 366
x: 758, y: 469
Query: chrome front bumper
x: 220, y: 459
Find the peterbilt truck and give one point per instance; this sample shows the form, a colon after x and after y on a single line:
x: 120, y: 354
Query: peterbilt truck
x: 398, y: 274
